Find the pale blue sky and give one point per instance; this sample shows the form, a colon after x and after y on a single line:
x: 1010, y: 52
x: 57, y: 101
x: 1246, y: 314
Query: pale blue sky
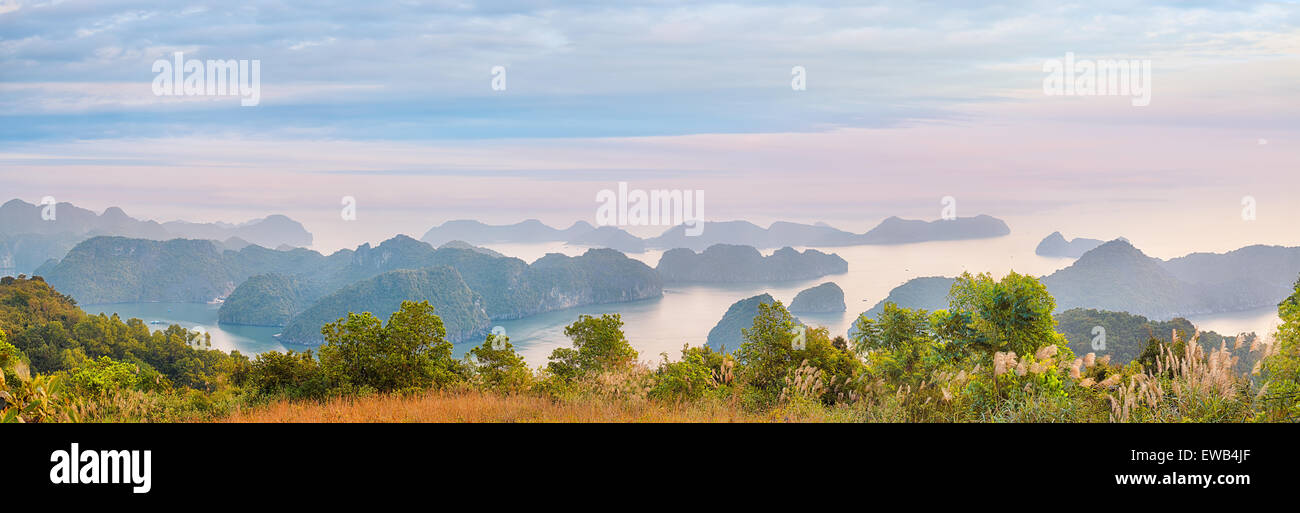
x: 420, y: 70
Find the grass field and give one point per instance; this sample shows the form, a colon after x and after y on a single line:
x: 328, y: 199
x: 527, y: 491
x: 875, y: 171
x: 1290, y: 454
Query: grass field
x: 489, y: 407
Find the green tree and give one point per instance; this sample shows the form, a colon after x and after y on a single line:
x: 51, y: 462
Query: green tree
x: 10, y: 358
x: 773, y: 349
x: 598, y: 344
x: 103, y: 375
x: 901, y: 343
x: 410, y: 352
x: 499, y: 367
x: 1281, y: 371
x: 988, y: 316
x: 895, y: 328
x: 9, y: 354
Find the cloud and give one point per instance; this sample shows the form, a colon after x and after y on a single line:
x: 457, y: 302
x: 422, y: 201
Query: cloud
x: 588, y: 69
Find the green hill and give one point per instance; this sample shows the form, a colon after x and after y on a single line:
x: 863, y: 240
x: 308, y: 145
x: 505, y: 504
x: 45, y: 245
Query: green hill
x: 120, y: 270
x: 268, y: 300
x: 460, y: 308
x: 825, y: 298
x: 1127, y: 335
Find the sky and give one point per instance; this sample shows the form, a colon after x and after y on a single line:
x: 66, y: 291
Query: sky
x: 393, y: 104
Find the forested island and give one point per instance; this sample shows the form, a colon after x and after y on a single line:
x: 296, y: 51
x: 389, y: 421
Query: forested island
x: 725, y: 263
x: 1118, y: 277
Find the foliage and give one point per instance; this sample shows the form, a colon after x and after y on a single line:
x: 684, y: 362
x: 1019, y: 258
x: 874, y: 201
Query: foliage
x: 772, y: 352
x: 598, y: 344
x: 993, y: 355
x: 729, y: 332
x: 1127, y: 336
x: 296, y: 375
x: 498, y: 367
x: 103, y: 375
x: 988, y: 316
x: 12, y: 360
x: 55, y: 336
x: 901, y: 345
x: 700, y: 372
x: 1281, y: 370
x: 26, y: 303
x: 410, y: 352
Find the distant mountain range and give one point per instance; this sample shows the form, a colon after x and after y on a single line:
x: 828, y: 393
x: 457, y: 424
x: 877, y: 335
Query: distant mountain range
x: 476, y: 232
x: 890, y: 231
x: 27, y: 240
x: 780, y: 234
x: 1055, y: 245
x: 610, y: 237
x: 1116, y: 276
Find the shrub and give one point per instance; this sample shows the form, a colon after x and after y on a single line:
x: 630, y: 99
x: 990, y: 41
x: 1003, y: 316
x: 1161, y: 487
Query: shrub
x: 701, y: 371
x: 598, y: 345
x: 498, y: 367
x: 103, y: 375
x: 294, y: 374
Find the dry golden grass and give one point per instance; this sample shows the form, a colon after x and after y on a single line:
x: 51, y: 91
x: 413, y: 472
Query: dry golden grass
x: 489, y: 407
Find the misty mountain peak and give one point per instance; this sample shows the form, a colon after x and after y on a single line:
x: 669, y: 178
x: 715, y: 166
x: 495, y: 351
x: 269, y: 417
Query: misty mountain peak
x: 1113, y: 251
x: 115, y: 214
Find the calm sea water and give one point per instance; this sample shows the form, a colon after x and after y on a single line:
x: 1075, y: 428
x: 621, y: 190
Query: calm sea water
x: 686, y: 313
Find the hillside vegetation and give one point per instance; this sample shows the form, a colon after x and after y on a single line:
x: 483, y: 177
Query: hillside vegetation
x: 993, y: 355
x: 59, y: 364
x: 1133, y: 337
